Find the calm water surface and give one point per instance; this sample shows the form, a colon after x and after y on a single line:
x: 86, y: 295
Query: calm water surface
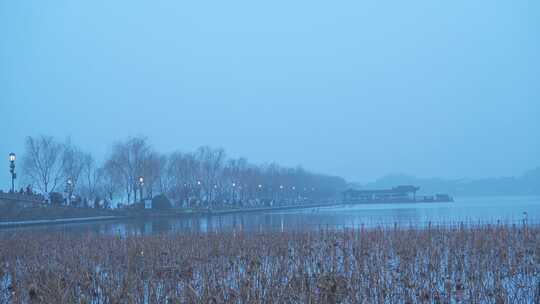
x: 468, y: 210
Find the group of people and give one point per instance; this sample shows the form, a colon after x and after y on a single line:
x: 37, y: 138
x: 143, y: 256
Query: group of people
x: 27, y: 192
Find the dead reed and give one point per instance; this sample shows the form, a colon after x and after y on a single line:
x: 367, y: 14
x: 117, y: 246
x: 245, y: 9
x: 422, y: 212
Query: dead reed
x: 484, y: 264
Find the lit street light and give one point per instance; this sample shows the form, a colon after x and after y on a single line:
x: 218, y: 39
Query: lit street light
x: 69, y: 189
x: 232, y: 192
x: 141, y: 184
x: 12, y: 170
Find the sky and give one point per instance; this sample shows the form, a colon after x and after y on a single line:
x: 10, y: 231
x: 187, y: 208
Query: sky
x: 358, y: 89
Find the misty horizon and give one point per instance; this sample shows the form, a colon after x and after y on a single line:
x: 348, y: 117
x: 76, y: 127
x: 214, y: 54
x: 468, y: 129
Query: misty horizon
x: 399, y: 177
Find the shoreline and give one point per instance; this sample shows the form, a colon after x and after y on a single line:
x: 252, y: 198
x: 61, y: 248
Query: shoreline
x: 10, y: 224
x: 248, y: 210
x: 172, y: 213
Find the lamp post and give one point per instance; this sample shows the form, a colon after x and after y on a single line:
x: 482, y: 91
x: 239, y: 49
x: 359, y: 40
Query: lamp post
x: 141, y: 184
x: 233, y: 188
x: 69, y: 189
x: 199, y: 191
x: 186, y: 194
x: 260, y: 192
x: 280, y: 194
x: 12, y: 170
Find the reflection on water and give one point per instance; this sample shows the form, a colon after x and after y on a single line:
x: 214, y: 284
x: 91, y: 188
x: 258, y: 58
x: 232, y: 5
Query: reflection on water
x: 468, y: 210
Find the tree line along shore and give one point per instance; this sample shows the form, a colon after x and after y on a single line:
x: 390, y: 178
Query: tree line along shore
x: 61, y: 174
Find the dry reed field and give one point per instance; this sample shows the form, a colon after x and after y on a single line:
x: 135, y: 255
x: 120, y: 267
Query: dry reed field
x: 483, y: 264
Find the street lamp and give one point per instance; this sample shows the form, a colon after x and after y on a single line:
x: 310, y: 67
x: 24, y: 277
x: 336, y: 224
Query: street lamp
x: 141, y: 184
x: 69, y: 189
x: 12, y: 170
x: 233, y: 188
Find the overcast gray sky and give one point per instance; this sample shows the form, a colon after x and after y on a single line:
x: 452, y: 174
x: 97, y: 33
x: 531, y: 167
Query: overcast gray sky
x: 353, y: 88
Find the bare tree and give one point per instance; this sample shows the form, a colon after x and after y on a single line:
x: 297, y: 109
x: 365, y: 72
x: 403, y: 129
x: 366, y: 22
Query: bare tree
x: 182, y: 175
x: 152, y: 170
x: 211, y: 162
x: 127, y: 161
x: 72, y: 163
x: 90, y: 176
x: 42, y: 162
x: 163, y: 179
x: 109, y: 183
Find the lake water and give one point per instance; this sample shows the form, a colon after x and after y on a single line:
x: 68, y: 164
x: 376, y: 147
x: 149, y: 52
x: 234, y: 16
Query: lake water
x: 473, y: 210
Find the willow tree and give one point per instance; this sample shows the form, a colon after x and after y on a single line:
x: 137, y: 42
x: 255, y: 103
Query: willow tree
x: 42, y: 162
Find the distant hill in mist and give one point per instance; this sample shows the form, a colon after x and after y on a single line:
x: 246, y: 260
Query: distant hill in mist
x: 526, y: 184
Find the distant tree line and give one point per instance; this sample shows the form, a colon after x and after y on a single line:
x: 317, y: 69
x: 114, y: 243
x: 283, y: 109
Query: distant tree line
x: 525, y: 184
x: 134, y: 170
